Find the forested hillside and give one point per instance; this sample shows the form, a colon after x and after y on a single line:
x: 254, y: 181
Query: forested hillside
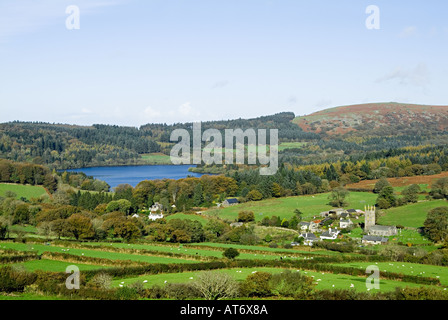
x: 68, y: 146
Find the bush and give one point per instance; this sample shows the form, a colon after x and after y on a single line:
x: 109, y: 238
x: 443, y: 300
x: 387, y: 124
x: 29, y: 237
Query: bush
x: 181, y: 291
x: 291, y: 284
x: 257, y: 285
x: 230, y: 253
x: 12, y: 280
x: 216, y: 285
x: 126, y: 293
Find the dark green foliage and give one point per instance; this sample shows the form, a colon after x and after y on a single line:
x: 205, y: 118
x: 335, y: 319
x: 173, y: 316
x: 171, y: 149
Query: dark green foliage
x: 12, y: 280
x: 436, y: 224
x: 230, y: 253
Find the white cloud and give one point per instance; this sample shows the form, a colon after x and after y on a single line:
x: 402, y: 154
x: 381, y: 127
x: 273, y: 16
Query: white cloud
x: 408, y: 32
x: 151, y: 113
x: 220, y: 84
x: 418, y: 76
x: 86, y: 111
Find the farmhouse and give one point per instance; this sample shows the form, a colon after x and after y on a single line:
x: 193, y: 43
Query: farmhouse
x: 304, y: 226
x: 345, y: 223
x: 309, y: 238
x: 156, y: 207
x: 330, y: 234
x: 155, y: 216
x: 374, y: 240
x: 385, y: 231
x: 324, y: 221
x: 314, y: 226
x: 337, y: 212
x: 230, y: 202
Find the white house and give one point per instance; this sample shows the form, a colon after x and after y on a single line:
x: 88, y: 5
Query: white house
x: 304, y: 226
x: 330, y: 234
x: 345, y: 223
x: 156, y: 207
x: 154, y: 217
x: 309, y: 238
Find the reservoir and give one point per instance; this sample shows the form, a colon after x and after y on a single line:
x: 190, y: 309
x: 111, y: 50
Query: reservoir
x: 132, y: 175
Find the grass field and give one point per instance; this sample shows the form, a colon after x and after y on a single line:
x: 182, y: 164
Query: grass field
x: 156, y: 158
x: 94, y: 253
x: 193, y: 217
x: 414, y: 269
x: 290, y: 145
x: 323, y: 280
x: 311, y: 206
x: 26, y: 191
x: 412, y: 215
x: 54, y: 265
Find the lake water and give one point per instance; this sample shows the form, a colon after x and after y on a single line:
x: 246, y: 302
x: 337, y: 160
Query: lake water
x: 134, y: 174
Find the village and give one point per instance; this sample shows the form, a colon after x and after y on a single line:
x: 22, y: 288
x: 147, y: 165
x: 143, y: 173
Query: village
x: 374, y: 234
x: 328, y: 225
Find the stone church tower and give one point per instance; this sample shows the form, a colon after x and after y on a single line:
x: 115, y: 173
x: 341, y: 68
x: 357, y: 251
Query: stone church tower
x: 369, y: 217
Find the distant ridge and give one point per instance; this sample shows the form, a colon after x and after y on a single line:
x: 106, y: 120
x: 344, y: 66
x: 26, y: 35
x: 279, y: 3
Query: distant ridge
x: 383, y: 118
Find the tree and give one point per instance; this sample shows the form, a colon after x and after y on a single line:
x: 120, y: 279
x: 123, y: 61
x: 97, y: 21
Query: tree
x: 230, y: 253
x: 128, y: 231
x: 291, y: 284
x: 60, y: 227
x: 121, y: 205
x: 246, y: 216
x: 257, y: 285
x: 80, y: 226
x: 337, y: 197
x: 410, y: 193
x: 180, y: 236
x: 216, y: 285
x: 216, y: 227
x: 439, y: 189
x: 386, y: 198
x: 380, y: 184
x: 254, y: 195
x: 436, y: 224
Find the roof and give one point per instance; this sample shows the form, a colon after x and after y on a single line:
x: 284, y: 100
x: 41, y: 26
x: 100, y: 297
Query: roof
x: 232, y: 200
x: 345, y: 220
x: 375, y: 238
x: 381, y: 228
x: 309, y: 236
x: 327, y: 234
x: 304, y: 223
x: 351, y: 210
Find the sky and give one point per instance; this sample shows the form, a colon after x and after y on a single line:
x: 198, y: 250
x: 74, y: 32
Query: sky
x: 132, y: 62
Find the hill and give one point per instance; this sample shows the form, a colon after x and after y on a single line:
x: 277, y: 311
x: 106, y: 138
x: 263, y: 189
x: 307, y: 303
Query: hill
x: 376, y: 118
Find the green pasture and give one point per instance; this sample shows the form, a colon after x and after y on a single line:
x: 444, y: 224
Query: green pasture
x: 290, y: 145
x: 193, y: 217
x: 311, y: 206
x: 156, y: 158
x: 411, y: 215
x: 25, y: 191
x: 93, y: 253
x: 406, y: 268
x: 322, y: 280
x: 54, y: 265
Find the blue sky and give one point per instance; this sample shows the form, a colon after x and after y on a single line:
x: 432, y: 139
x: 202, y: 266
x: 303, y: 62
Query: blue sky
x: 133, y: 62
